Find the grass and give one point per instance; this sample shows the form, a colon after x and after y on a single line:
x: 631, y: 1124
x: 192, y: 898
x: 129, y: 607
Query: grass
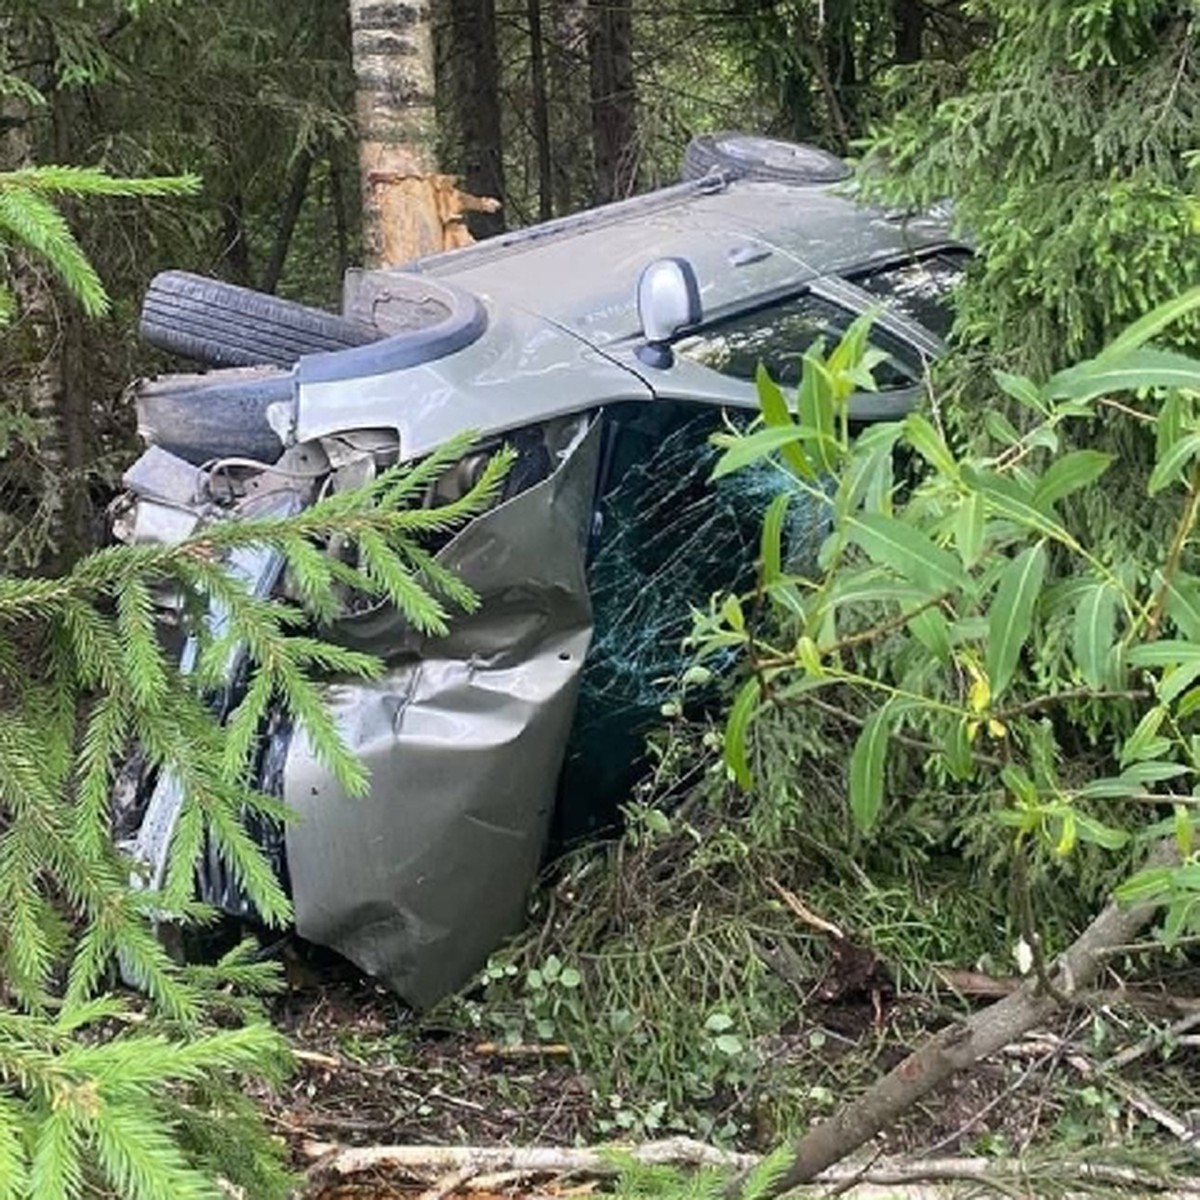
x: 697, y: 1001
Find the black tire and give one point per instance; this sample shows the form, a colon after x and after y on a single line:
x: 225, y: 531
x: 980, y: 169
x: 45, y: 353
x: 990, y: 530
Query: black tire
x: 748, y: 156
x: 221, y: 414
x: 222, y: 325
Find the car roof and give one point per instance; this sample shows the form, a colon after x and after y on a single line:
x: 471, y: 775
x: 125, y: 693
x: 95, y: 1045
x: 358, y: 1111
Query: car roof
x: 747, y: 240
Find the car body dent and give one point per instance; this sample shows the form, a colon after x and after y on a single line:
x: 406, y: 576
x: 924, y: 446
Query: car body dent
x: 463, y: 736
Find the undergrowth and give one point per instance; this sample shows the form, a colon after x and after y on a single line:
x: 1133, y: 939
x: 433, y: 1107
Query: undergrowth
x: 690, y: 994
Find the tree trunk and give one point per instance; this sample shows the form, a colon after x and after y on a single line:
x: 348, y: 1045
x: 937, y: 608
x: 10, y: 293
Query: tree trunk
x: 541, y: 110
x: 73, y: 407
x: 292, y: 204
x: 392, y: 45
x: 614, y: 110
x: 474, y: 69
x: 47, y: 523
x: 908, y: 27
x: 341, y: 217
x: 235, y: 248
x: 837, y: 38
x: 570, y: 104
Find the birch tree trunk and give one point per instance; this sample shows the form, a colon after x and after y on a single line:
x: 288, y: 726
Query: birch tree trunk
x: 392, y: 45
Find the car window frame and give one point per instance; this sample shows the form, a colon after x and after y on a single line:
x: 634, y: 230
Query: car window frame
x: 910, y: 344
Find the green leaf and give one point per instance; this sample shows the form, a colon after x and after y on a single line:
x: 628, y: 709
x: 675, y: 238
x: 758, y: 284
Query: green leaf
x: 1183, y: 604
x: 1126, y: 372
x: 1151, y: 325
x: 1001, y: 428
x: 729, y: 1044
x: 1011, y: 615
x: 873, y: 586
x: 1184, y: 830
x: 815, y: 404
x: 929, y: 444
x: 1170, y: 426
x: 969, y: 525
x: 1147, y: 885
x: 772, y: 538
x: 907, y: 551
x: 867, y: 769
x: 932, y: 630
x: 1176, y: 680
x: 1068, y: 474
x: 1154, y: 772
x: 1014, y: 501
x: 776, y: 414
x: 1088, y: 829
x: 1172, y: 465
x: 1169, y: 652
x: 957, y: 751
x: 744, y: 449
x: 1023, y: 391
x: 1093, y: 631
x: 1142, y: 740
x: 741, y: 713
x: 1132, y: 780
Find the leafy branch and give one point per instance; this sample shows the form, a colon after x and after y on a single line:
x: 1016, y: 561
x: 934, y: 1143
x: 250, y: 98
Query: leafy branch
x: 938, y: 601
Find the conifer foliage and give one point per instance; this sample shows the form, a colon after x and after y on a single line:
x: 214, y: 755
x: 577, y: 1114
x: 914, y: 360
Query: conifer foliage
x: 96, y: 1098
x: 1068, y: 143
x: 30, y: 221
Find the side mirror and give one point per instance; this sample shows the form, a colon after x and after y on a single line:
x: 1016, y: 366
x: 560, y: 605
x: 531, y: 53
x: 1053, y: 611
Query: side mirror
x: 668, y: 301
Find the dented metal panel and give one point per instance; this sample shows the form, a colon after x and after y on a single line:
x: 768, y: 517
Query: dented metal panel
x: 463, y: 737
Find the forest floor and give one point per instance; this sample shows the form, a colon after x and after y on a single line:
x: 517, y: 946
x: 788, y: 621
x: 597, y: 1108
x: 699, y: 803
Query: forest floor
x: 370, y: 1073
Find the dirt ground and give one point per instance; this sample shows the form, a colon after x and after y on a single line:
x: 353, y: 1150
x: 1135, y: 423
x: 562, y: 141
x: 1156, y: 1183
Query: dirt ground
x: 369, y: 1073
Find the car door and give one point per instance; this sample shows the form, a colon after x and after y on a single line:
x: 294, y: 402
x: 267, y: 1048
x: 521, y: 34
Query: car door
x: 666, y: 537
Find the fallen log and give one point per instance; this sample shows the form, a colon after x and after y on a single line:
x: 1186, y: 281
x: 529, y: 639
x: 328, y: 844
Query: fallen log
x: 460, y: 1166
x: 964, y: 1043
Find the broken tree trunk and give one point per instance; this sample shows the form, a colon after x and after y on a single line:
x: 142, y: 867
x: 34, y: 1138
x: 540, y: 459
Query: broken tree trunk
x: 409, y: 209
x: 965, y: 1043
x: 397, y: 126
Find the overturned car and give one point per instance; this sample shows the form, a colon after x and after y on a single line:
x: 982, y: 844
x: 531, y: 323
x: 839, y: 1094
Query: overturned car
x: 606, y: 348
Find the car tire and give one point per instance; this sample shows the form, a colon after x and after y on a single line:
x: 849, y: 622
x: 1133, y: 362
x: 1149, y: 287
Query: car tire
x: 223, y: 413
x: 223, y: 325
x: 749, y: 156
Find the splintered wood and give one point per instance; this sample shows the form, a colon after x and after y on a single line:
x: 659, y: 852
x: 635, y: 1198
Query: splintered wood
x: 421, y: 214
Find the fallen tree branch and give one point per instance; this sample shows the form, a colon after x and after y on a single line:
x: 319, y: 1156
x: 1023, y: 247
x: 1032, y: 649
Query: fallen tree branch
x: 1136, y: 1097
x: 964, y: 1043
x: 530, y: 1050
x: 604, y: 1162
x: 1154, y: 1042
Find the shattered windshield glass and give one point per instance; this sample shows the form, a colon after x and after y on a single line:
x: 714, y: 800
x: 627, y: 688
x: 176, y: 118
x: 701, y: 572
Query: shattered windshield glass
x: 665, y: 539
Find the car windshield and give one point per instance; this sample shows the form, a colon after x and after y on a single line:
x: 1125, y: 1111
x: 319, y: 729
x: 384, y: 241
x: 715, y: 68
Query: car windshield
x: 778, y: 335
x: 919, y: 288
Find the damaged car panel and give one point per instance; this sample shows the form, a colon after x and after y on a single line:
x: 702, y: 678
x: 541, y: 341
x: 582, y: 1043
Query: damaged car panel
x: 530, y: 715
x: 464, y: 736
